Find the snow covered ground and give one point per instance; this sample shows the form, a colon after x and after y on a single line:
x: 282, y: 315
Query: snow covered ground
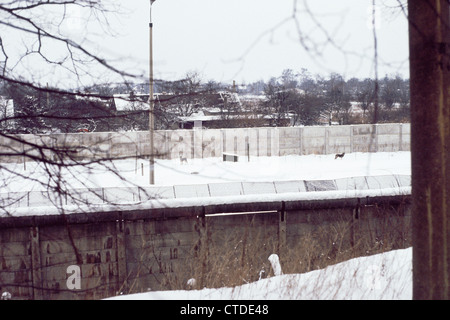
x: 210, y: 170
x: 385, y: 276
x: 204, y: 181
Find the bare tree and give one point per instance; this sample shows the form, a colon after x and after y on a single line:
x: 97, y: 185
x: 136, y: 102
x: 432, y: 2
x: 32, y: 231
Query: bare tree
x: 49, y: 63
x: 278, y: 101
x: 337, y: 101
x: 182, y: 98
x: 39, y: 34
x: 42, y: 35
x: 366, y: 95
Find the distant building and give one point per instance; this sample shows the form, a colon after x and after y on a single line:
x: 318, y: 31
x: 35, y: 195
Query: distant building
x: 223, y: 109
x: 130, y: 102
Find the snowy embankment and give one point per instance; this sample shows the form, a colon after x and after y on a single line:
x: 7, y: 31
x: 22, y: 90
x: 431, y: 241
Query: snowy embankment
x: 385, y: 276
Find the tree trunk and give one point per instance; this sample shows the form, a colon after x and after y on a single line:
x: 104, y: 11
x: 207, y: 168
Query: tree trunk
x: 430, y: 146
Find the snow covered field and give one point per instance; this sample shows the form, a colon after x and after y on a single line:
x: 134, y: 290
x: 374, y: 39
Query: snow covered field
x: 176, y: 184
x: 209, y: 170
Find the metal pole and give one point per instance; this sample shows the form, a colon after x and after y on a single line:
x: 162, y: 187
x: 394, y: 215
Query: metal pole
x: 151, y: 103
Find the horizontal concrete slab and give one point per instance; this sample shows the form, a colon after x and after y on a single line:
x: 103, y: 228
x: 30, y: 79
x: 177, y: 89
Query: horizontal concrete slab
x: 290, y: 186
x: 157, y: 192
x: 353, y: 183
x: 225, y: 189
x: 320, y: 185
x: 138, y: 194
x: 381, y: 182
x: 258, y: 187
x: 190, y: 191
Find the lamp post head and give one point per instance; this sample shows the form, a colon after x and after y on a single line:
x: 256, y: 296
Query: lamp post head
x: 151, y: 3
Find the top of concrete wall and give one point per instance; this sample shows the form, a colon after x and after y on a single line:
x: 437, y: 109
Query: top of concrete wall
x: 198, y: 192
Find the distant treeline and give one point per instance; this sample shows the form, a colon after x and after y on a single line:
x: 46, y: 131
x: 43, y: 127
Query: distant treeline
x: 302, y: 98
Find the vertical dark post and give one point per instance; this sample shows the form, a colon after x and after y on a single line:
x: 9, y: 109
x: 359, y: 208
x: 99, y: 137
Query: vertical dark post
x: 282, y: 230
x: 203, y: 246
x: 36, y: 271
x: 151, y: 114
x: 121, y: 255
x: 430, y: 146
x: 248, y: 150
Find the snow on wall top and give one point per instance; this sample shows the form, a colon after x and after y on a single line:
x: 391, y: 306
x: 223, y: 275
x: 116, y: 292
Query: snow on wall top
x: 212, y: 193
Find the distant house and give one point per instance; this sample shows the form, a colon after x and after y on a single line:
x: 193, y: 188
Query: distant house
x: 223, y: 109
x: 218, y: 110
x: 131, y: 111
x: 182, y: 110
x: 355, y: 108
x: 7, y: 121
x: 232, y: 111
x: 129, y: 102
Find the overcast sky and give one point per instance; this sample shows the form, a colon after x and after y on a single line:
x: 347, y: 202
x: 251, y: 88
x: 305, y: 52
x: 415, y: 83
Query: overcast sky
x: 222, y: 40
x: 249, y: 40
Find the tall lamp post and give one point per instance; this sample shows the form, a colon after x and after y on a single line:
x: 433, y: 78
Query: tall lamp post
x: 151, y: 120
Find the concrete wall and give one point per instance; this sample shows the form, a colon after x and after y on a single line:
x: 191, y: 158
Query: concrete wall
x: 135, y: 251
x: 169, y: 144
x: 130, y: 195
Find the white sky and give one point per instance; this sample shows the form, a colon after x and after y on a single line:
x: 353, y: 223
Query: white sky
x: 222, y: 40
x: 250, y: 40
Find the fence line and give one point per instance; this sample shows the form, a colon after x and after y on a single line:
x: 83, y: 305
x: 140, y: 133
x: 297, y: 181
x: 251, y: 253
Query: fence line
x: 170, y: 144
x: 127, y: 195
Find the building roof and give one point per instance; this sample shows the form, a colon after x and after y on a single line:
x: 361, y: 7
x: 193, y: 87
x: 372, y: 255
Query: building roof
x: 126, y: 102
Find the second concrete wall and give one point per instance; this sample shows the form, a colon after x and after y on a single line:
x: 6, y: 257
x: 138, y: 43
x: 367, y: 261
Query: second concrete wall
x: 244, y: 142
